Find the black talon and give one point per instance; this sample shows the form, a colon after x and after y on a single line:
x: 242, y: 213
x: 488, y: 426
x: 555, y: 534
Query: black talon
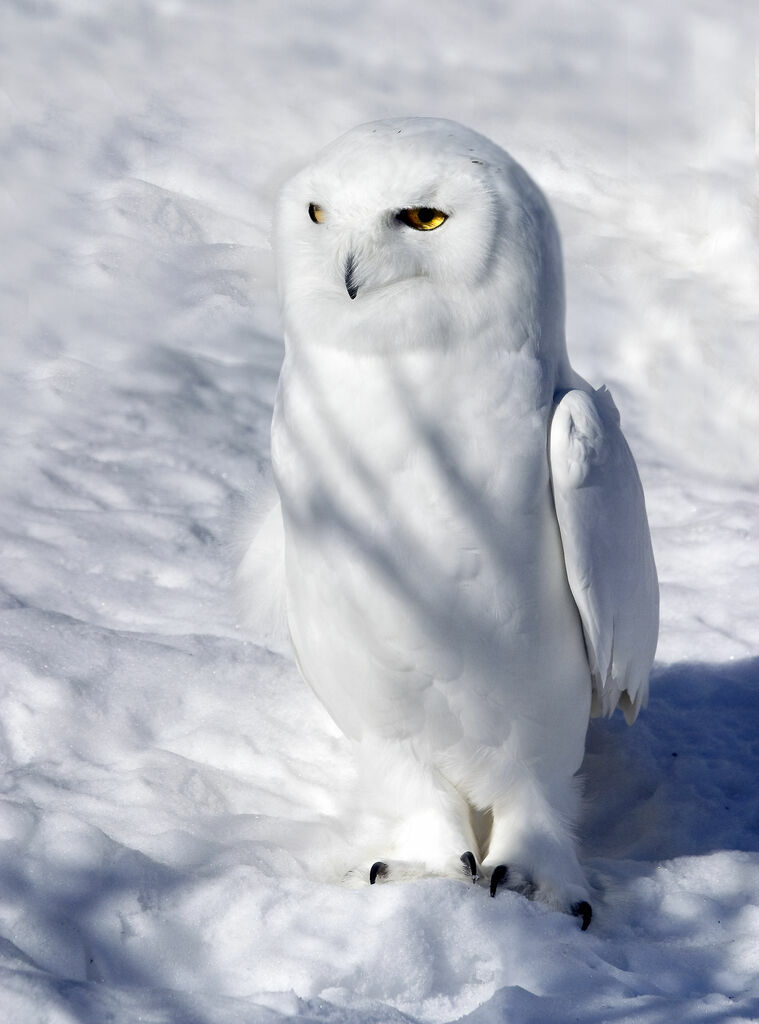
x: 378, y: 870
x: 467, y: 859
x: 500, y: 874
x: 584, y: 910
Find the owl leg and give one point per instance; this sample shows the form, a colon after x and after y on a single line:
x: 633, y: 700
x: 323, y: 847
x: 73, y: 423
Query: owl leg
x: 426, y: 826
x: 532, y: 849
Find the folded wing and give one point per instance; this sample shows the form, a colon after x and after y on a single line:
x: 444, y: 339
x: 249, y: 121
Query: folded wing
x: 607, y: 548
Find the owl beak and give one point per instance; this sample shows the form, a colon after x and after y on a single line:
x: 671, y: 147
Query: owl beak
x: 350, y: 276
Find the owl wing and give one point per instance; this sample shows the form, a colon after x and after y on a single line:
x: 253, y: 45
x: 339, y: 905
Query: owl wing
x: 607, y: 547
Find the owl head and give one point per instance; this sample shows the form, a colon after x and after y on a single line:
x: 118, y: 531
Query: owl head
x: 417, y: 232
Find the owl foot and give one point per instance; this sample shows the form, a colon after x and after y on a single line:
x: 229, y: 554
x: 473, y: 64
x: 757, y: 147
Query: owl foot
x: 406, y: 870
x: 467, y: 859
x: 530, y: 891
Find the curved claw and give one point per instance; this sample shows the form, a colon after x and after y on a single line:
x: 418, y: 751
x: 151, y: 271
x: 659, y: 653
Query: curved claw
x: 378, y: 870
x: 500, y: 874
x: 584, y: 910
x: 467, y: 859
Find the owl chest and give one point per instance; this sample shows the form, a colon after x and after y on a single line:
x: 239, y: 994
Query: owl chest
x: 421, y: 442
x: 421, y: 472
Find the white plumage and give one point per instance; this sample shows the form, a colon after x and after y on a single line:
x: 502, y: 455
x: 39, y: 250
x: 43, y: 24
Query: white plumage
x: 467, y: 559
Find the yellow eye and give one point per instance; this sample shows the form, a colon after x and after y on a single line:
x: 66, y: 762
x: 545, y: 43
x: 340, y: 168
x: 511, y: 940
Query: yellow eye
x: 423, y: 218
x: 316, y: 213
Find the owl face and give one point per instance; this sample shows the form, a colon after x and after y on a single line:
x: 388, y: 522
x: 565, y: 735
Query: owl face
x: 405, y: 232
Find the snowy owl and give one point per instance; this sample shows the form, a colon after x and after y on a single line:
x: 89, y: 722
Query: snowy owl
x: 468, y: 571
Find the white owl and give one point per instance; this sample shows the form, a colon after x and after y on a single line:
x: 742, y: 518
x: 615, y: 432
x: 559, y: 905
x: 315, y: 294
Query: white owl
x: 468, y: 567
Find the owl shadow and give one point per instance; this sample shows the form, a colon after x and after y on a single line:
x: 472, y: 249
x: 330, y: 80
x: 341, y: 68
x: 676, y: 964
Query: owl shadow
x: 682, y: 780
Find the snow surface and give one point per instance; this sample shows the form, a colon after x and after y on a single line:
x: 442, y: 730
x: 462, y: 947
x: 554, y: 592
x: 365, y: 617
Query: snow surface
x: 172, y: 805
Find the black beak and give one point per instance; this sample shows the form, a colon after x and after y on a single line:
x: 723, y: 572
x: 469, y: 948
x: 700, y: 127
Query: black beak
x: 350, y: 270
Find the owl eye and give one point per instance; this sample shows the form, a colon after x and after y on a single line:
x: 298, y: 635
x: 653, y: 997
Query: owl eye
x: 316, y: 213
x: 423, y: 218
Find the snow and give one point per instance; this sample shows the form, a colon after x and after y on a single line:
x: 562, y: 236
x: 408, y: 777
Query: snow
x: 174, y: 803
